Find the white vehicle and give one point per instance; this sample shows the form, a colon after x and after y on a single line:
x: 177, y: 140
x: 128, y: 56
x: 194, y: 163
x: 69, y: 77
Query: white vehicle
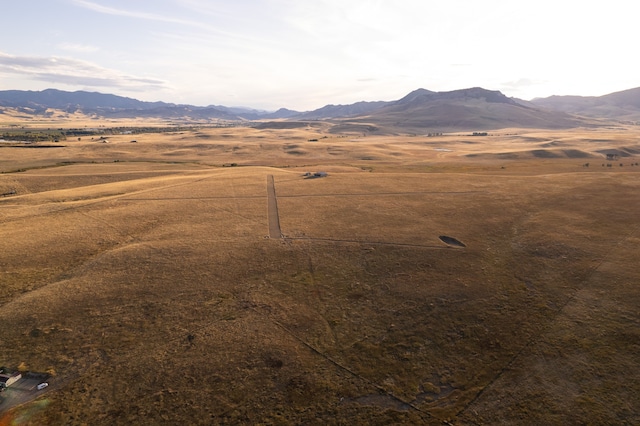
x: 42, y: 385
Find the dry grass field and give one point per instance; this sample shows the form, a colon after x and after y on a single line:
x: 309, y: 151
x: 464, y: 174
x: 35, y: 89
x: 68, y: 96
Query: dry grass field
x: 143, y: 276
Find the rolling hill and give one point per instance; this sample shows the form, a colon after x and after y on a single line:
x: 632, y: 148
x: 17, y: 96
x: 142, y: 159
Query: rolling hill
x: 624, y: 105
x: 338, y: 111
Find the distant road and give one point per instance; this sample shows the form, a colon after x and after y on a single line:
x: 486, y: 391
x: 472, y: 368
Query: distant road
x: 274, y: 220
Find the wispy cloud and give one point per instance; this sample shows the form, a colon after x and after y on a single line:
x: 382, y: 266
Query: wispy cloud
x: 73, y: 72
x: 526, y: 88
x: 222, y: 29
x: 131, y: 14
x: 146, y: 16
x: 522, y: 83
x: 74, y: 47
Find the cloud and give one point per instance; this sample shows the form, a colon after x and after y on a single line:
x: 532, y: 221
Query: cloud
x: 521, y: 83
x: 229, y: 28
x: 81, y: 48
x: 128, y: 13
x: 142, y: 15
x: 73, y: 72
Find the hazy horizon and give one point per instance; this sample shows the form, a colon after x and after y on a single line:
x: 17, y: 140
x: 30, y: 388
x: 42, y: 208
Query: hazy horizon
x: 279, y: 53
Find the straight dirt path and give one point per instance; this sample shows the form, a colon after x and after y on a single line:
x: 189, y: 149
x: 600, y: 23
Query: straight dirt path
x: 274, y: 220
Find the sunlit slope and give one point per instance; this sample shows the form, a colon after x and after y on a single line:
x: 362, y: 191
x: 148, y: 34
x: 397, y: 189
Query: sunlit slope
x: 160, y: 298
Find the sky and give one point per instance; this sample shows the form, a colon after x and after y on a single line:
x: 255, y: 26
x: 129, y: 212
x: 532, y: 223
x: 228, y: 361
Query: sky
x: 304, y: 54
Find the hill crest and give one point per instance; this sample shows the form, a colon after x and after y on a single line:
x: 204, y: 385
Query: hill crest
x: 622, y: 105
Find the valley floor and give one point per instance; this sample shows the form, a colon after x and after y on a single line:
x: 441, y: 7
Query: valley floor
x: 149, y: 278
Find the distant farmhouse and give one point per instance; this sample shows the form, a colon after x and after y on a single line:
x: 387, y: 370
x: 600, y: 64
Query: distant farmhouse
x: 612, y: 157
x: 7, y: 379
x: 309, y: 175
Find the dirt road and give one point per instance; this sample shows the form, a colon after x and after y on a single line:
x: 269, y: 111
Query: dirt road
x: 274, y: 220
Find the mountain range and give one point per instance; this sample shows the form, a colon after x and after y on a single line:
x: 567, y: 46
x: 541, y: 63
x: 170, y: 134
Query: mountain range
x: 421, y: 110
x: 624, y: 105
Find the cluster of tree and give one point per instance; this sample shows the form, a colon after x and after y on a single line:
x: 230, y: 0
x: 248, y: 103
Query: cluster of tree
x: 610, y: 165
x: 56, y: 135
x: 139, y: 130
x: 33, y: 136
x: 78, y: 132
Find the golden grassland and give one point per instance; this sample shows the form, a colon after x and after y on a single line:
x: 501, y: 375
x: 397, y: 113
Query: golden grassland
x: 143, y: 275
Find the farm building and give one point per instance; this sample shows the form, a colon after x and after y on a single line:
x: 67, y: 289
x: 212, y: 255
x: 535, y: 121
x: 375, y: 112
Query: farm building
x: 7, y: 380
x: 309, y: 175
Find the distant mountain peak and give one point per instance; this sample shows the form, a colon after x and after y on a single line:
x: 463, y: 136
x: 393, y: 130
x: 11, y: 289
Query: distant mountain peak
x: 416, y: 94
x: 423, y: 95
x: 479, y: 92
